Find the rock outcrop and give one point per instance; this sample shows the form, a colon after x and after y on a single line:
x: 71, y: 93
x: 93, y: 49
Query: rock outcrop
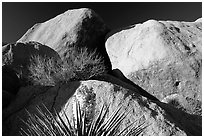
x: 160, y: 118
x: 78, y: 27
x: 18, y: 55
x: 157, y: 69
x: 163, y: 57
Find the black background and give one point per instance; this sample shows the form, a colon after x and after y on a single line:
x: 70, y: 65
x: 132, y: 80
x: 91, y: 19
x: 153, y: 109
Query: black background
x: 18, y: 17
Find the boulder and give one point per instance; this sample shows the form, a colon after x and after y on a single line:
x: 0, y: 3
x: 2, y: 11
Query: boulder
x: 160, y: 118
x: 18, y: 55
x: 199, y: 20
x: 162, y: 57
x: 78, y: 27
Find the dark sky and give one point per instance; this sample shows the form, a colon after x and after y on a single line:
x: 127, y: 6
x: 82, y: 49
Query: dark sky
x: 18, y: 17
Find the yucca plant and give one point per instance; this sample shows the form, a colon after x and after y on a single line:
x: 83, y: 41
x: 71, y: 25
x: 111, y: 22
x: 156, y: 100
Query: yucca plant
x: 53, y: 124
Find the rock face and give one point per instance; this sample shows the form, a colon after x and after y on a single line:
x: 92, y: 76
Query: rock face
x: 18, y: 55
x: 79, y: 27
x: 163, y: 57
x: 161, y: 118
x: 186, y: 104
x: 156, y: 73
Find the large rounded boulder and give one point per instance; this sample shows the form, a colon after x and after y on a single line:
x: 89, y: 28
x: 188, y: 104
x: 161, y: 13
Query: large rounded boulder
x: 163, y: 57
x: 78, y: 27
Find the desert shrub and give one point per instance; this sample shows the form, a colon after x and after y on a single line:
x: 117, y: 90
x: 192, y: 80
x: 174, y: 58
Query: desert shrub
x: 53, y: 125
x: 42, y: 70
x: 85, y: 64
x: 79, y: 64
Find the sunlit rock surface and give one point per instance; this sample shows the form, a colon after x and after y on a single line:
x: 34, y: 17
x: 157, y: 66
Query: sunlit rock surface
x: 163, y: 57
x: 78, y: 27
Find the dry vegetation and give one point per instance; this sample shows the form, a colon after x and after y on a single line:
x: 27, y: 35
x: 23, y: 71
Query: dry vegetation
x: 79, y: 64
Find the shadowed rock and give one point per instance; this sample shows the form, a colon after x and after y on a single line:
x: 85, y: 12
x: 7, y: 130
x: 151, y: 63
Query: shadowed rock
x: 118, y: 74
x: 18, y: 55
x: 10, y: 80
x: 160, y: 118
x: 7, y: 97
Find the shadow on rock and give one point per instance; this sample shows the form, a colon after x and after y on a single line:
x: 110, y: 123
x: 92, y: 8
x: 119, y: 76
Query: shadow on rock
x: 191, y: 124
x: 116, y: 77
x: 57, y: 97
x: 10, y: 85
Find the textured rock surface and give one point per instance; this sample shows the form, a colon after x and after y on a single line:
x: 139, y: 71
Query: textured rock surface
x: 163, y: 57
x: 161, y: 118
x: 18, y: 55
x: 79, y: 27
x: 184, y: 103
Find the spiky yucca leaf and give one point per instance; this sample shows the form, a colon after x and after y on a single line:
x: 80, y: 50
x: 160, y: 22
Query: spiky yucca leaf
x: 52, y: 124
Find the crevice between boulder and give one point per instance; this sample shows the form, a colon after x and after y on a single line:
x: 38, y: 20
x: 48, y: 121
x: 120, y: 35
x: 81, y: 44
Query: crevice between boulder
x: 55, y: 98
